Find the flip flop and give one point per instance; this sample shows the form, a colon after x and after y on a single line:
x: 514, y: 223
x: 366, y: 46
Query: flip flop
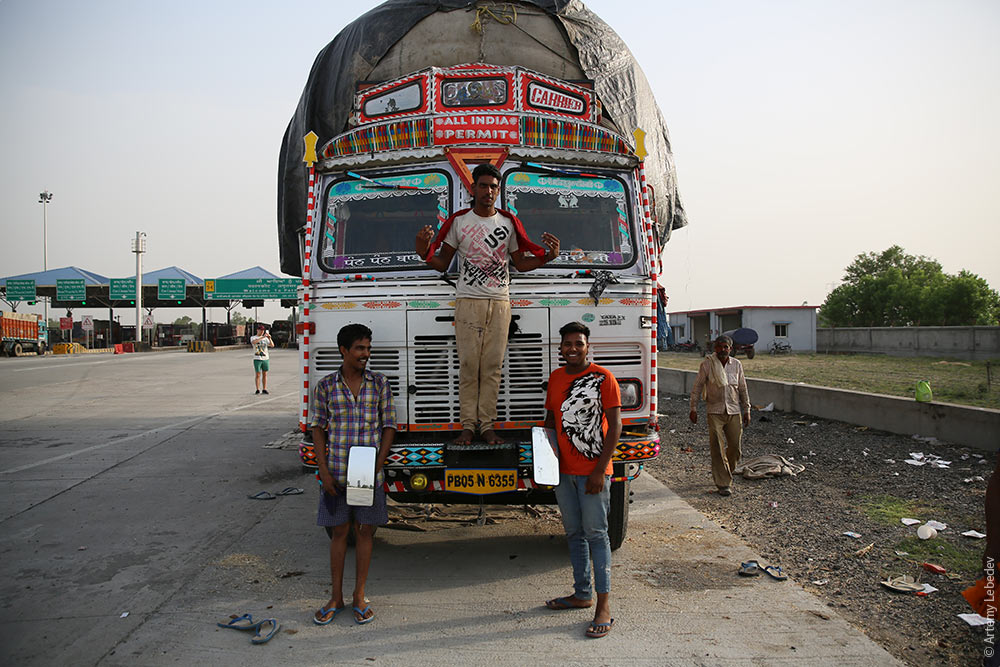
x: 361, y: 612
x: 289, y: 491
x: 560, y: 604
x: 775, y: 572
x: 751, y: 568
x: 262, y: 495
x: 598, y: 630
x: 265, y: 638
x: 323, y: 611
x: 904, y: 583
x: 244, y: 622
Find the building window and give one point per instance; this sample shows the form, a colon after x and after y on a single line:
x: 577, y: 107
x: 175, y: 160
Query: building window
x: 781, y: 331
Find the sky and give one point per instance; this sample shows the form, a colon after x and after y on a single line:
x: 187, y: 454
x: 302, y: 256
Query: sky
x: 804, y: 134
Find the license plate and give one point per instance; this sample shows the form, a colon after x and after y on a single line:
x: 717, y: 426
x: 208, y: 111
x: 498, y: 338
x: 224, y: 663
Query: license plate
x: 480, y: 482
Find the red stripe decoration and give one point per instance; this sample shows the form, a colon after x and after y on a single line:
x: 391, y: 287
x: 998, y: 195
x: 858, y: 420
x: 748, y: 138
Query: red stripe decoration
x: 306, y: 270
x: 651, y: 245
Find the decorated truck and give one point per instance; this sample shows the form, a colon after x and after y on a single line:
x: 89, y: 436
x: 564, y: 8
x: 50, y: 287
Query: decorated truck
x: 381, y: 146
x: 22, y: 332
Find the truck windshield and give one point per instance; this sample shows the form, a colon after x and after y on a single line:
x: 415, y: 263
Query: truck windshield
x: 589, y: 215
x: 371, y: 225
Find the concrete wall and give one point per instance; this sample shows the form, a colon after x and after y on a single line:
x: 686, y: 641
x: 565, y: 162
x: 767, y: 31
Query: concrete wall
x: 960, y: 342
x: 969, y: 426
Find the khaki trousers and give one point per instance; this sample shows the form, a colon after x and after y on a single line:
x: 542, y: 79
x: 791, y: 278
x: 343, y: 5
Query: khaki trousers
x: 481, y: 327
x: 726, y: 429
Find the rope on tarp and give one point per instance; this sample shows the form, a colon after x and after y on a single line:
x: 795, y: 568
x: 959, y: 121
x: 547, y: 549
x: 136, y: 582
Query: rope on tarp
x: 508, y: 16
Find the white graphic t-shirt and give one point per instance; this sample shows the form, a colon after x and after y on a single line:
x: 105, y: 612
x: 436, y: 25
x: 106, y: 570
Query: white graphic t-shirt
x: 484, y: 246
x: 259, y: 344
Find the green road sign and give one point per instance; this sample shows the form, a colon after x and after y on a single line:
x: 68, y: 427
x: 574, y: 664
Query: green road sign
x: 21, y: 290
x: 171, y: 289
x: 71, y: 289
x: 252, y: 288
x: 122, y: 288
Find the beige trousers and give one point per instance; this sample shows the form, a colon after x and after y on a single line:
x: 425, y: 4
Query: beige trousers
x: 724, y: 435
x: 481, y: 335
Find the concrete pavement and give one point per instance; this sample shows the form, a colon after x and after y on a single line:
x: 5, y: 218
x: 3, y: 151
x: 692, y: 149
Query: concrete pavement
x: 158, y: 499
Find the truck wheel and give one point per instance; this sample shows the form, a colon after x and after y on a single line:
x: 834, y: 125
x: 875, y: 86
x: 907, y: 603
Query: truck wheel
x: 750, y: 353
x: 16, y: 350
x: 618, y: 514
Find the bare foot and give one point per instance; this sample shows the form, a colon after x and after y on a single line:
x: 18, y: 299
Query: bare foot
x: 491, y: 437
x: 464, y: 438
x: 568, y: 602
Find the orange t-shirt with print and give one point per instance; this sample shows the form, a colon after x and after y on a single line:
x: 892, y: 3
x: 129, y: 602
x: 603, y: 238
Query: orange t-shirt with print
x: 578, y: 402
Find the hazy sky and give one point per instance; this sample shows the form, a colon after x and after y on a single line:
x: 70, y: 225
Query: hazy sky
x: 804, y: 133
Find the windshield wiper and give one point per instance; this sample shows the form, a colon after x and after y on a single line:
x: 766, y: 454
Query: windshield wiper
x: 561, y: 172
x: 381, y: 184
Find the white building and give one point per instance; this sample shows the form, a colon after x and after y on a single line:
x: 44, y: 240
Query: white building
x: 795, y: 325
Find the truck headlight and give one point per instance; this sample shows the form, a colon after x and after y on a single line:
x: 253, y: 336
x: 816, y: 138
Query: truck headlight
x: 631, y: 391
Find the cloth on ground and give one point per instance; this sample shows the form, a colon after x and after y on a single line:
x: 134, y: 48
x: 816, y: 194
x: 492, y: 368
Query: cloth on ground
x: 768, y: 465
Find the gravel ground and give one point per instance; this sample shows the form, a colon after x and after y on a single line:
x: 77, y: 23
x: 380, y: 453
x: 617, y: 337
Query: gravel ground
x: 798, y: 522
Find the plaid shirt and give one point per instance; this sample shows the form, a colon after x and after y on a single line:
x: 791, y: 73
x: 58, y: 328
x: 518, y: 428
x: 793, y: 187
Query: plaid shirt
x: 349, y: 421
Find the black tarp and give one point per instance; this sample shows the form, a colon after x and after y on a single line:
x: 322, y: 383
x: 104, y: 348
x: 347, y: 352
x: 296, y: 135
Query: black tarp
x: 357, y: 50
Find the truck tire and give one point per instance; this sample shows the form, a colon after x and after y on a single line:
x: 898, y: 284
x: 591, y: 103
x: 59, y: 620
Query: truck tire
x: 15, y: 350
x: 750, y: 353
x: 618, y: 514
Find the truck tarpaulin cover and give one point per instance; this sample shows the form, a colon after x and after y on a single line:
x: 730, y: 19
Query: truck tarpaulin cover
x: 561, y: 38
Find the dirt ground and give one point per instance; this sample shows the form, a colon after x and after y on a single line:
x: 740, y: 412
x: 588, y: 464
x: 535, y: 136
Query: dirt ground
x: 855, y: 480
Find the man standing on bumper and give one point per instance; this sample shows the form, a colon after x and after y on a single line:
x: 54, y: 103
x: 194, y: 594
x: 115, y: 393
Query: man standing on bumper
x: 727, y: 404
x: 486, y: 238
x: 583, y: 405
x: 351, y: 407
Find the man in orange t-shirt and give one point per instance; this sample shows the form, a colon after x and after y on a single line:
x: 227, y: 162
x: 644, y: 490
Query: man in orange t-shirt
x: 583, y: 405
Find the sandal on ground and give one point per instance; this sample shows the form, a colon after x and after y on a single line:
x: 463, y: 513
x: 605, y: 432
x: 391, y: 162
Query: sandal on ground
x: 244, y: 622
x: 560, y: 604
x: 323, y: 611
x: 262, y: 495
x: 751, y: 568
x: 266, y: 629
x: 775, y: 572
x: 289, y: 491
x: 904, y: 583
x: 598, y: 630
x: 359, y: 617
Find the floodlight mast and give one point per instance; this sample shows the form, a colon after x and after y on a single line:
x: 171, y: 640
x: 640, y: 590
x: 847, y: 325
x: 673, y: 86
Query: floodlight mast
x: 138, y: 247
x: 44, y: 197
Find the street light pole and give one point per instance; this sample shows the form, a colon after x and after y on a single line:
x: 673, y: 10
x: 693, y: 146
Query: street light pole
x: 44, y: 197
x: 138, y: 247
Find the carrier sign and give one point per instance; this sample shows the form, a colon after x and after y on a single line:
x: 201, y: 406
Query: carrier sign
x: 543, y: 97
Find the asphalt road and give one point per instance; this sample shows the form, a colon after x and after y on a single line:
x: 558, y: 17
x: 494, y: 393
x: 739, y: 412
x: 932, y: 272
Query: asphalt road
x: 125, y: 534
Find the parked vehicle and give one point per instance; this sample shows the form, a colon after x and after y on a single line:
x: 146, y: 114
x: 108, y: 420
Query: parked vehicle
x: 780, y: 347
x: 282, y: 332
x: 22, y: 332
x: 403, y: 161
x: 743, y: 341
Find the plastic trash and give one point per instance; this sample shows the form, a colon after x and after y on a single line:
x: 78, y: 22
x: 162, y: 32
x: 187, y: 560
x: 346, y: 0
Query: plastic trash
x: 923, y: 392
x: 974, y: 533
x: 934, y: 567
x: 851, y: 533
x: 937, y: 525
x: 909, y: 522
x: 926, y: 532
x: 767, y: 408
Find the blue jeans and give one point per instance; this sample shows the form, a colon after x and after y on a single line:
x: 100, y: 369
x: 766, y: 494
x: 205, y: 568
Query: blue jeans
x: 585, y: 519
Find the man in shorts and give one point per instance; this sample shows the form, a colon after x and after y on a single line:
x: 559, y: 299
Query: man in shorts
x: 352, y: 407
x: 261, y: 357
x: 583, y: 405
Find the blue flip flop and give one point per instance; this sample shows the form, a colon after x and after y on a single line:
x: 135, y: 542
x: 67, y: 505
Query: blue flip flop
x: 323, y: 611
x: 265, y: 638
x: 290, y: 491
x: 244, y: 622
x: 361, y: 612
x: 599, y: 630
x: 775, y: 572
x: 751, y: 568
x: 262, y: 495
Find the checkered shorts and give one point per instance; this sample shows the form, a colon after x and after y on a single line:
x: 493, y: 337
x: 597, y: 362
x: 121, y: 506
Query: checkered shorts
x: 334, y: 510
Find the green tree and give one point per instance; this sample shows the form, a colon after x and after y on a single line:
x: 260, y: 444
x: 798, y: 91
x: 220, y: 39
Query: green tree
x: 183, y: 320
x: 237, y: 318
x: 893, y: 289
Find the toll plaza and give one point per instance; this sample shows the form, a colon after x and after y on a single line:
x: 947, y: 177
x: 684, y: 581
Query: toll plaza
x: 68, y: 289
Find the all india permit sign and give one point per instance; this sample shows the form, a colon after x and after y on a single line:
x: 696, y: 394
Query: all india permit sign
x: 252, y: 288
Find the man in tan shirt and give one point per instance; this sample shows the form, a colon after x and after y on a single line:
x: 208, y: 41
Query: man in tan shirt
x: 727, y: 404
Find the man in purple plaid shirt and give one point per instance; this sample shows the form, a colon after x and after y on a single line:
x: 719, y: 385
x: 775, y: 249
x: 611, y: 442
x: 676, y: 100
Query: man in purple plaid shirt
x: 351, y: 407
